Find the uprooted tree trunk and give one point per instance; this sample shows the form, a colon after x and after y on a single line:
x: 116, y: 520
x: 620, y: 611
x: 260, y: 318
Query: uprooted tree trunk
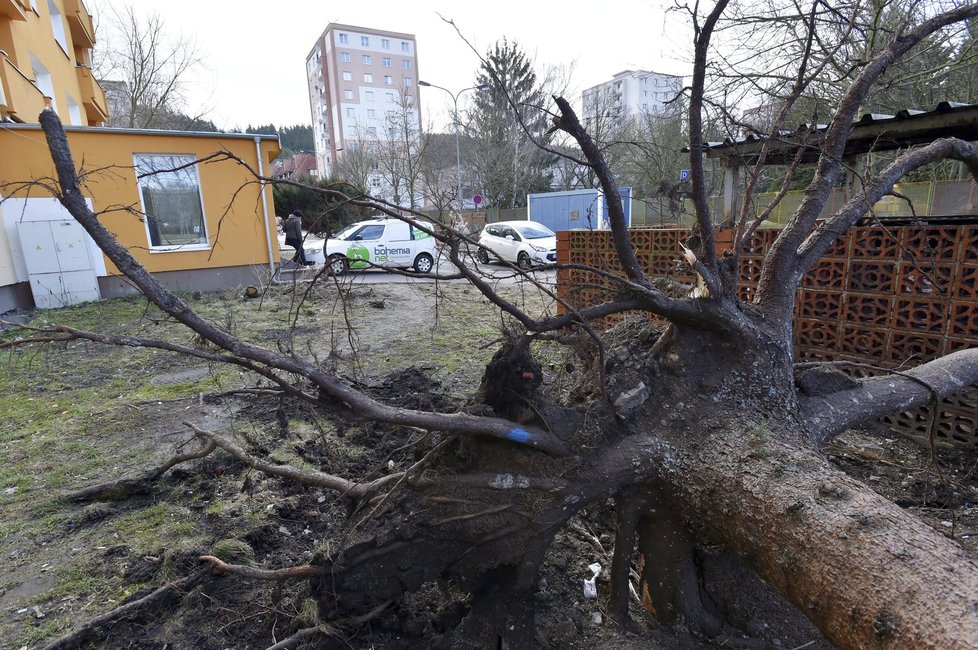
x: 705, y: 439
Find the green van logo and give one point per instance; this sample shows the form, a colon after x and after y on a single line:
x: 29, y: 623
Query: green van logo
x: 358, y: 256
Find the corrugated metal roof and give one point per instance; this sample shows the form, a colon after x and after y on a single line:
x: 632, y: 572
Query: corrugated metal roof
x: 870, y: 132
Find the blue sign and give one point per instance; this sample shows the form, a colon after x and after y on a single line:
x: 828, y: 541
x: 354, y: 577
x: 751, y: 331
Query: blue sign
x: 684, y: 174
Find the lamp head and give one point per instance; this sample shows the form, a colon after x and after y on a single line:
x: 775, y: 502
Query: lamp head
x: 423, y: 83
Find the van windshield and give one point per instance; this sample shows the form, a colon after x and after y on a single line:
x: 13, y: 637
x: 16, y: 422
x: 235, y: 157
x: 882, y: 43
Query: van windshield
x: 346, y: 232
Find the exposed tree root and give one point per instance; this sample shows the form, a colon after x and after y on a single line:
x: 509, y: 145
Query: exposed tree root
x: 308, y: 633
x: 76, y: 638
x: 302, y: 571
x: 628, y: 510
x: 124, y: 488
x: 306, y: 476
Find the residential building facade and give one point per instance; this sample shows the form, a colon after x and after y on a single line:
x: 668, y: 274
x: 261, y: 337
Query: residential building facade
x: 45, y: 59
x: 194, y: 227
x: 631, y: 93
x: 362, y: 89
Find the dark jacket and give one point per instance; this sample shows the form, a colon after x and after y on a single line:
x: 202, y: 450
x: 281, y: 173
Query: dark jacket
x: 293, y: 230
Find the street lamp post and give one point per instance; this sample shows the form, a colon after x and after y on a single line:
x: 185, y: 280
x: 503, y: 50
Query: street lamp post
x: 458, y: 149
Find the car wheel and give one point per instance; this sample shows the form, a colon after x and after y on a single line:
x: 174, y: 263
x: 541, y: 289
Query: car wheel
x: 482, y: 256
x: 523, y: 261
x: 423, y: 263
x: 338, y: 265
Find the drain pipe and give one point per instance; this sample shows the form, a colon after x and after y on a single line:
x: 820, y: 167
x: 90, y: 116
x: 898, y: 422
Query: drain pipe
x: 264, y: 207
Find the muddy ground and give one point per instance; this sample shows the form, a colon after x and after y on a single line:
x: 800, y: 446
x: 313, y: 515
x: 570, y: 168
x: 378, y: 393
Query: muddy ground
x: 76, y: 414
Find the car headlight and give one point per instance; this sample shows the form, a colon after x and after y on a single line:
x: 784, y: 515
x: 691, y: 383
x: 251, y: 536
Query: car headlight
x: 538, y: 249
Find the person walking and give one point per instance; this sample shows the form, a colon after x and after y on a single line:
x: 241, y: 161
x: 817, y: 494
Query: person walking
x: 293, y: 237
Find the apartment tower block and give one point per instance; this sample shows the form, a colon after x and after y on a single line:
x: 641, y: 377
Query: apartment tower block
x: 359, y: 79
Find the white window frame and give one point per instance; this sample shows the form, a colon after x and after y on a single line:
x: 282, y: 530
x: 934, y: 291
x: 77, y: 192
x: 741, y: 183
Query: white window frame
x: 343, y: 38
x: 369, y: 95
x: 58, y: 27
x: 385, y: 43
x: 74, y: 112
x: 367, y: 60
x: 179, y: 159
x: 365, y: 41
x: 347, y: 94
x: 388, y: 80
x: 408, y: 82
x: 344, y: 57
x: 406, y: 64
x: 368, y: 78
x: 347, y: 76
x: 405, y: 46
x: 387, y: 61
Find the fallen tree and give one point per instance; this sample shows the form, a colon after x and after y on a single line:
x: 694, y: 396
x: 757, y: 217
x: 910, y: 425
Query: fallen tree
x: 714, y: 443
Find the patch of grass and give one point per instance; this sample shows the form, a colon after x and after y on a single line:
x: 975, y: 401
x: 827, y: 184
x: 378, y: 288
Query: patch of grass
x: 160, y: 525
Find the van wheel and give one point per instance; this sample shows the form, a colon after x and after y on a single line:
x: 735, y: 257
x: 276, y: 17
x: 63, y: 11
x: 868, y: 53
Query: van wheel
x: 523, y: 261
x: 338, y: 265
x: 423, y: 263
x: 482, y: 256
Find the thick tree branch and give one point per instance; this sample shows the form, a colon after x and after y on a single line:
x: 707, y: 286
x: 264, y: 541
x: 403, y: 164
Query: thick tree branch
x: 779, y: 276
x: 819, y: 241
x: 827, y: 416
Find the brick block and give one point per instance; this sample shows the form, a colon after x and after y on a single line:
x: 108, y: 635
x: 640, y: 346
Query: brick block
x: 816, y: 334
x: 827, y: 274
x: 875, y: 243
x: 929, y: 280
x: 915, y: 346
x: 966, y: 283
x: 924, y: 244
x: 859, y: 342
x: 872, y: 310
x: 969, y: 244
x: 966, y: 401
x: 920, y: 315
x: 871, y: 277
x: 963, y: 321
x: 825, y: 305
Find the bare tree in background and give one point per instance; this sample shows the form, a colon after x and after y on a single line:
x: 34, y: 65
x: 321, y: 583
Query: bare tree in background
x: 148, y: 69
x: 700, y: 435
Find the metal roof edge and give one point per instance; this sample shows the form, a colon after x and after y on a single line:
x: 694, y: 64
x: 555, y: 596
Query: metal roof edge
x: 151, y: 132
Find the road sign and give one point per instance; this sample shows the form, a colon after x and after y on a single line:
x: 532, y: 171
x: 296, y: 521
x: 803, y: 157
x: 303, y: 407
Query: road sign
x: 477, y: 199
x: 684, y: 174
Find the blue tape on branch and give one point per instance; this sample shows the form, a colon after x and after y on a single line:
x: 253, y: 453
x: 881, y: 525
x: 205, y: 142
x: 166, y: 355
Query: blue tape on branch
x: 518, y: 435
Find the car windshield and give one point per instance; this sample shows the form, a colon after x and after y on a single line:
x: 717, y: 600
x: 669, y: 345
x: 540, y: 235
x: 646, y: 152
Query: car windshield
x: 534, y: 231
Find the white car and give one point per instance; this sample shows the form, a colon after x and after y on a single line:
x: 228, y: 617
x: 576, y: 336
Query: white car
x: 526, y: 243
x: 380, y: 242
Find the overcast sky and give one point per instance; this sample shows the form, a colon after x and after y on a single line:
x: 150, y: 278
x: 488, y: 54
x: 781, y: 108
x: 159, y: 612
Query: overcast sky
x: 253, y: 52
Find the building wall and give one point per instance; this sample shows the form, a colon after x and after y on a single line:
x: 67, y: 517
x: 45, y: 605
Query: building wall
x: 632, y: 92
x: 66, y: 59
x: 341, y: 107
x: 233, y: 209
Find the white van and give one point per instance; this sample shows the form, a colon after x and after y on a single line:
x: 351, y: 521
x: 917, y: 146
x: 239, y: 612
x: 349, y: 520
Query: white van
x: 380, y: 242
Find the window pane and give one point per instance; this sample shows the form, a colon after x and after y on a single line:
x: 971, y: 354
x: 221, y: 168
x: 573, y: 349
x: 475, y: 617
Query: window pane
x: 171, y: 199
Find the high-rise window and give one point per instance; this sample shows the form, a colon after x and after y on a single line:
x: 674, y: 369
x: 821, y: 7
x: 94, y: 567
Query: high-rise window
x: 387, y: 62
x: 371, y: 114
x: 369, y: 95
x: 388, y: 80
x: 347, y: 76
x: 385, y: 43
x: 367, y: 60
x: 368, y: 78
x: 345, y: 57
x: 344, y: 39
x: 405, y: 46
x: 407, y: 64
x: 58, y: 25
x: 347, y: 94
x: 365, y: 41
x: 407, y: 82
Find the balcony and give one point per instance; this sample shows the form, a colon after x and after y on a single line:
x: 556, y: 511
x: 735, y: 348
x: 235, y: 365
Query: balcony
x: 12, y: 9
x: 20, y: 99
x: 93, y: 97
x: 80, y: 23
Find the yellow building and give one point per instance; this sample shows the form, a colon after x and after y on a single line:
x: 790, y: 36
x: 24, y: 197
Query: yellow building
x: 194, y: 226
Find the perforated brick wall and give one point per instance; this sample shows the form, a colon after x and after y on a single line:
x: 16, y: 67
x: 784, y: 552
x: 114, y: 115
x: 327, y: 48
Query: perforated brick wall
x: 891, y: 297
